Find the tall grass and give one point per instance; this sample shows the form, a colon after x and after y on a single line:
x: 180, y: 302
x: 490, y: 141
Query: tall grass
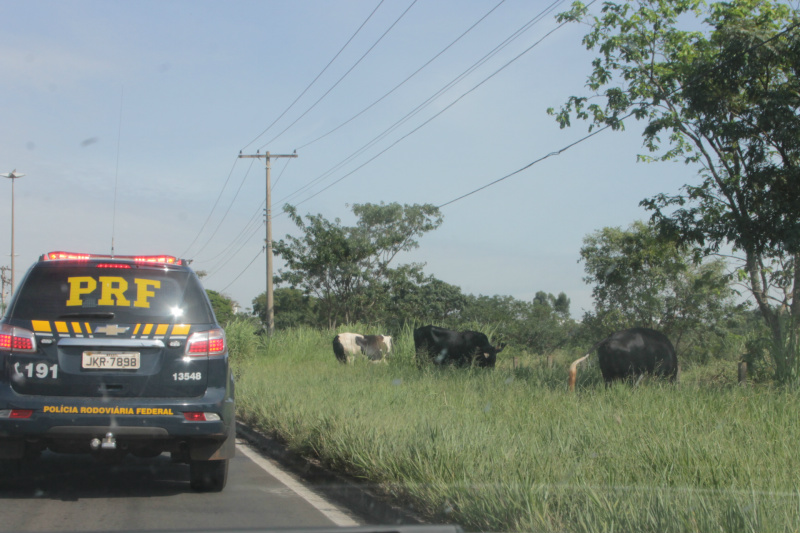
x: 511, y: 450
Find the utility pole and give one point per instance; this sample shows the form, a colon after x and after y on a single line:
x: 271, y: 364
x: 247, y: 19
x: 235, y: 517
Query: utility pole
x: 270, y: 305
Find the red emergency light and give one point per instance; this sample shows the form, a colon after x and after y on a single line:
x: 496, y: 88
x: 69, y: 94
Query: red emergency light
x: 141, y: 259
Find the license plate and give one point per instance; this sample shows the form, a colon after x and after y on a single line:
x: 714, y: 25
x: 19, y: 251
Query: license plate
x: 110, y: 360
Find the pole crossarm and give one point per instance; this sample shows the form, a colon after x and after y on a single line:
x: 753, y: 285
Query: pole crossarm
x: 270, y: 302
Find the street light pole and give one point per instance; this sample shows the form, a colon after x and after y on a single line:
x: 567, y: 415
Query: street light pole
x: 13, y: 175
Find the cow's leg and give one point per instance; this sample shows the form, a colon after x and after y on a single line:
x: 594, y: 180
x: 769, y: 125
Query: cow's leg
x: 441, y: 357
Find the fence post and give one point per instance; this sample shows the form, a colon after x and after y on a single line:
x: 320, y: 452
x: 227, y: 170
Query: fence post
x: 742, y: 373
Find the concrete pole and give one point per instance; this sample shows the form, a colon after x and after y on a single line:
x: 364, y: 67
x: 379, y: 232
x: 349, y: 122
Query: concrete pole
x: 270, y: 304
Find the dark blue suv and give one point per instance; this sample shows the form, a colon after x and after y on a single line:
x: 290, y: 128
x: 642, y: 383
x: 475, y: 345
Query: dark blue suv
x: 110, y: 355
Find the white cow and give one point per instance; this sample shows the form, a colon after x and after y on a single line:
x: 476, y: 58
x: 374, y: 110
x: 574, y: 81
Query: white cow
x: 375, y: 347
x: 345, y: 346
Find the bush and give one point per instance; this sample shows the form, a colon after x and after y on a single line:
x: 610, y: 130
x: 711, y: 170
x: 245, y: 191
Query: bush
x: 242, y: 342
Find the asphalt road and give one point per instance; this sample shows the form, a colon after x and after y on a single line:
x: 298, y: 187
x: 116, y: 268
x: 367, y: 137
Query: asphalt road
x: 78, y: 493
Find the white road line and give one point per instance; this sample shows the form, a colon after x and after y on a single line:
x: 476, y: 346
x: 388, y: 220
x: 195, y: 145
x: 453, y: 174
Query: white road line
x: 331, y: 511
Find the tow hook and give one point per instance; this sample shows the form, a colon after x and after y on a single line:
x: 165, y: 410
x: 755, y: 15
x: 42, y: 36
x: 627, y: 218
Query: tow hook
x: 108, y: 443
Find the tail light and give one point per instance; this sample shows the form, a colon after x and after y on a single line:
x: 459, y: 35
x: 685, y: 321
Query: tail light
x: 198, y: 416
x: 16, y: 413
x: 14, y: 339
x: 205, y: 343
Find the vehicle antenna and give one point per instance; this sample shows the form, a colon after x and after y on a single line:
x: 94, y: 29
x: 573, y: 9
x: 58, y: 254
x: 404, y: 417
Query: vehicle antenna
x: 116, y: 172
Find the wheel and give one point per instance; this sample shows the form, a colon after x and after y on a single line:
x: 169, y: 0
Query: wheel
x: 208, y: 476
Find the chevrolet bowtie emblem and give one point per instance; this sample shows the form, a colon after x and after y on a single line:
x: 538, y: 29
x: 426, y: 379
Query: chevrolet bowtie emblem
x: 111, y: 330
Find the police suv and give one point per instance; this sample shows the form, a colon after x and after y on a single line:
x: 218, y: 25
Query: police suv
x: 110, y: 355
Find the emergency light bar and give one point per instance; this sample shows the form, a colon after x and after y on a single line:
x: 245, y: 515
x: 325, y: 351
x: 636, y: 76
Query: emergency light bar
x: 144, y: 259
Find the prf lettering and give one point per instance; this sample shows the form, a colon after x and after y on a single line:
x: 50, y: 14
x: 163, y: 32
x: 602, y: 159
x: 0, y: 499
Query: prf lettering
x: 112, y: 290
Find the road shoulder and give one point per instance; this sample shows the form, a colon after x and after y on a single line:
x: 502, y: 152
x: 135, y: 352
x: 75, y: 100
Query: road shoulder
x: 362, y: 504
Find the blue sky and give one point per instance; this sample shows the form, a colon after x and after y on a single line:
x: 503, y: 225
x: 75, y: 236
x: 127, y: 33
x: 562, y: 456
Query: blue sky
x: 127, y: 119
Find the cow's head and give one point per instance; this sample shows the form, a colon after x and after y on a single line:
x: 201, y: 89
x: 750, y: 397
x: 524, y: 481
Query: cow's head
x: 488, y: 356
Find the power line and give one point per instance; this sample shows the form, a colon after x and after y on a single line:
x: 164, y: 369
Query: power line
x: 407, y: 117
x: 318, y: 76
x: 480, y: 62
x: 229, y: 257
x: 620, y: 120
x: 529, y: 165
x: 431, y: 60
x: 343, y: 76
x: 240, y: 240
x: 219, y: 197
x: 551, y: 154
x: 254, y: 219
x: 247, y: 224
x: 202, y: 228
x: 475, y: 65
x: 243, y: 271
x: 282, y: 171
x: 241, y: 184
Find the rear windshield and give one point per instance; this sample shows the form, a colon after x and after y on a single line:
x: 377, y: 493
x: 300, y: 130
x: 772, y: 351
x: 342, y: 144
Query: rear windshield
x: 53, y: 291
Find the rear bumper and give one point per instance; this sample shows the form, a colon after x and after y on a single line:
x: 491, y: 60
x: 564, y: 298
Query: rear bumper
x: 68, y: 423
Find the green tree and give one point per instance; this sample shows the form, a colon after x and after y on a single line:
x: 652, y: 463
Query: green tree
x: 222, y: 305
x: 291, y: 307
x: 338, y: 264
x: 541, y: 325
x: 724, y: 98
x: 502, y: 312
x: 557, y: 304
x: 631, y: 272
x: 549, y: 325
x: 561, y: 305
x: 501, y: 318
x: 642, y: 279
x: 411, y: 297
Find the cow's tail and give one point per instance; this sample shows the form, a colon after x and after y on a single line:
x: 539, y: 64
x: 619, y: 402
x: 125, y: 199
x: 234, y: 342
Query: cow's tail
x: 338, y: 350
x: 573, y: 371
x: 573, y: 368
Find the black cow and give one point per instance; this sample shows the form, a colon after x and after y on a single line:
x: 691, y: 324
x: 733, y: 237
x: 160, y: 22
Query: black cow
x: 464, y: 348
x: 632, y: 353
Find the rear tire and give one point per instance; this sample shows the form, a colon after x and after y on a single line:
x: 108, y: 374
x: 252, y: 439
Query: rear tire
x: 208, y: 476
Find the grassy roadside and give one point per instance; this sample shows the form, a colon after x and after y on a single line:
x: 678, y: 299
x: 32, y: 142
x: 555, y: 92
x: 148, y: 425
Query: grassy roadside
x: 510, y: 450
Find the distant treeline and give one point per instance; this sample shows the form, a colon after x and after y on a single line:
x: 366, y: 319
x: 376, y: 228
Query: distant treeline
x: 341, y: 275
